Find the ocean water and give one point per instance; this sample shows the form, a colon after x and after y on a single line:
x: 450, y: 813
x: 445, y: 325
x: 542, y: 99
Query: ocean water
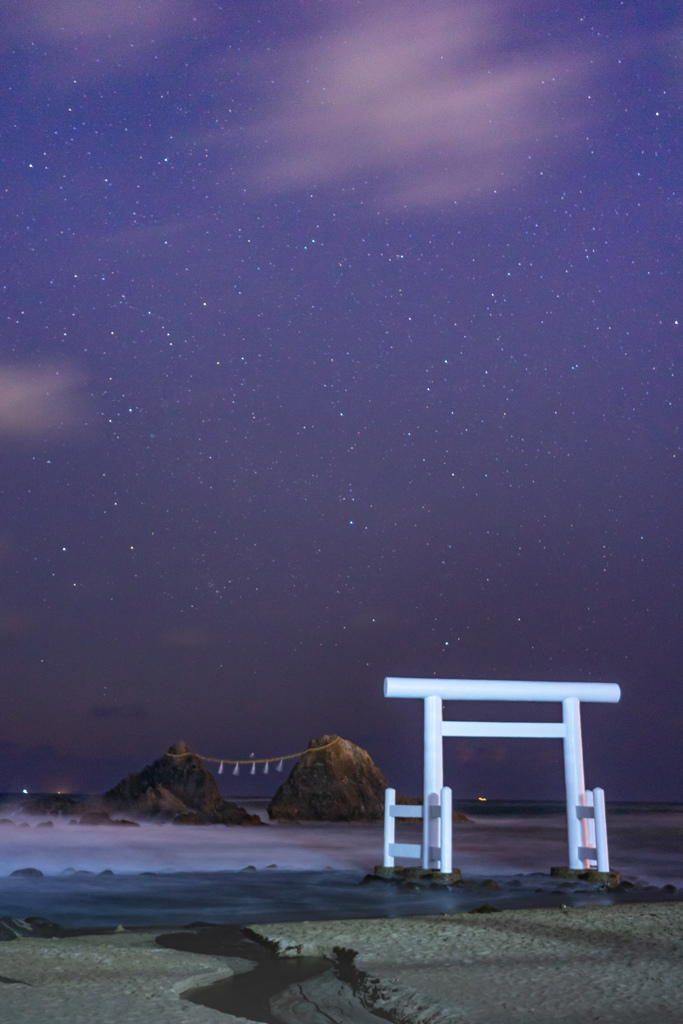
x: 165, y: 874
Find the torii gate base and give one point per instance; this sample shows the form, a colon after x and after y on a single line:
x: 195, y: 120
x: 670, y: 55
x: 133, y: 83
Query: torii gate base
x: 586, y: 822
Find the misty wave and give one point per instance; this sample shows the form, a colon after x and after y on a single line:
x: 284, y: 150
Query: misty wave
x: 644, y: 844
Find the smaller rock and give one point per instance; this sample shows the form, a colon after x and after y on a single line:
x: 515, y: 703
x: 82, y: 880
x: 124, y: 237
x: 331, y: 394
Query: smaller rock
x: 107, y: 871
x: 45, y: 824
x: 249, y: 867
x: 485, y: 908
x: 7, y: 934
x: 269, y: 867
x: 669, y: 888
x: 95, y: 818
x: 389, y: 874
x: 6, y: 821
x: 563, y: 872
x: 586, y: 875
x: 428, y: 874
x: 53, y: 803
x: 103, y: 818
x: 42, y: 928
x: 27, y: 873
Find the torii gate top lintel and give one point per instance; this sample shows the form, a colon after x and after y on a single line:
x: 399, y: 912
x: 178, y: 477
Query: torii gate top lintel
x: 503, y: 689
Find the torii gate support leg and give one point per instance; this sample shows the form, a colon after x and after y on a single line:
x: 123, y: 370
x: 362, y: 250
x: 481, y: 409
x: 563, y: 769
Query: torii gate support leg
x: 433, y: 781
x: 577, y: 831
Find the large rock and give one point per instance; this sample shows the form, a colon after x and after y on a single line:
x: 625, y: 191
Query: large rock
x: 177, y: 788
x: 341, y: 783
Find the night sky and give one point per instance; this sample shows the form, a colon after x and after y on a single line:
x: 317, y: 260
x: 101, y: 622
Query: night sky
x: 339, y: 340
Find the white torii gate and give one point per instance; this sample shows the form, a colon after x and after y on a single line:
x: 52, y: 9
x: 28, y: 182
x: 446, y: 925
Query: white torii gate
x: 586, y: 823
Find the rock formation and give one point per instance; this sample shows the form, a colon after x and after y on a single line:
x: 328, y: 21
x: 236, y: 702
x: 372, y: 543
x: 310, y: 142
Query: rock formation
x: 341, y: 783
x: 100, y: 818
x: 177, y: 788
x: 28, y: 928
x: 55, y: 803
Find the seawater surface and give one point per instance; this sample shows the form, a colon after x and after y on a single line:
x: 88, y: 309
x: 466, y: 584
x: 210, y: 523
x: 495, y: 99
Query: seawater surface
x: 176, y: 875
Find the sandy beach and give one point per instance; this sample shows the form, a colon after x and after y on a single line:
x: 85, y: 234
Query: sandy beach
x: 620, y: 964
x: 417, y: 956
x: 121, y: 978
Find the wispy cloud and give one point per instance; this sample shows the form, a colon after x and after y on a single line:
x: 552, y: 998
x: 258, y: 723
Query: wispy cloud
x: 430, y: 104
x: 90, y: 36
x: 187, y: 638
x: 40, y: 401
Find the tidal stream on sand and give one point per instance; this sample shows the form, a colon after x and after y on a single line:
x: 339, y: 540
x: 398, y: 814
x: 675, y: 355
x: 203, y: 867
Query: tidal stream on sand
x: 263, y: 987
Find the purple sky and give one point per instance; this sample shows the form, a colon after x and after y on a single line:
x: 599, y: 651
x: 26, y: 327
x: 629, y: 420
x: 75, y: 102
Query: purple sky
x: 340, y: 340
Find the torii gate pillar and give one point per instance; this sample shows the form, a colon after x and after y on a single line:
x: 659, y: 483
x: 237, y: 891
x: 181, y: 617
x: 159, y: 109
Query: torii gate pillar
x: 433, y: 781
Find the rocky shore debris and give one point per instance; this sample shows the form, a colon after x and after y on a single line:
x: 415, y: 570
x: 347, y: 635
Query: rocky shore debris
x: 586, y: 875
x: 414, y: 877
x: 559, y: 881
x: 340, y: 783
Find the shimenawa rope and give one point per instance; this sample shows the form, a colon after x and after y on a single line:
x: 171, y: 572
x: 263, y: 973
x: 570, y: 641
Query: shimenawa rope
x: 256, y: 760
